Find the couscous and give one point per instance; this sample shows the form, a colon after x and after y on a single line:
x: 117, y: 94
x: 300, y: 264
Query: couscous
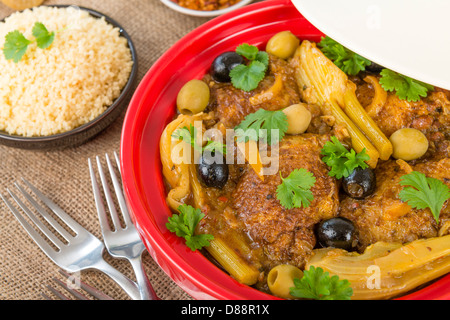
x: 68, y: 84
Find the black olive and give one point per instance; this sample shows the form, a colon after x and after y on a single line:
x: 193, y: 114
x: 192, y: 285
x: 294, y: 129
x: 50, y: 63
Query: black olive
x: 337, y: 233
x: 360, y: 183
x: 222, y: 65
x: 374, y: 67
x: 212, y: 173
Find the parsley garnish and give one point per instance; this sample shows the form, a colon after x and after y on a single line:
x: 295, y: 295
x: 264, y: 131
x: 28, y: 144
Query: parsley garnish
x: 189, y: 136
x: 352, y: 63
x: 341, y: 161
x: 250, y: 128
x: 184, y: 225
x: 346, y: 60
x: 295, y: 190
x: 427, y: 192
x: 16, y: 44
x: 405, y: 87
x: 247, y: 77
x: 215, y: 146
x: 317, y: 284
x: 43, y: 38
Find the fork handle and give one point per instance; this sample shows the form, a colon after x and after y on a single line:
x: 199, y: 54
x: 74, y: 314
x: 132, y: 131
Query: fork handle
x: 145, y: 288
x: 125, y: 283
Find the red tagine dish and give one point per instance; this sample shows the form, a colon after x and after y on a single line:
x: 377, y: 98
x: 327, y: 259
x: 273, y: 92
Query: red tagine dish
x: 259, y: 235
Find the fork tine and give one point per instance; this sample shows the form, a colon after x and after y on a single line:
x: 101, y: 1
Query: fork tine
x: 109, y: 200
x: 46, y: 216
x: 35, y: 220
x: 56, y: 293
x: 117, y: 162
x: 57, y: 210
x: 46, y: 297
x: 104, y: 224
x: 118, y: 190
x: 50, y: 235
x: 74, y: 292
x: 89, y: 289
x: 30, y: 230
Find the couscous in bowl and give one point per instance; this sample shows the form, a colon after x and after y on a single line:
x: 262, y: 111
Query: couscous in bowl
x: 109, y: 98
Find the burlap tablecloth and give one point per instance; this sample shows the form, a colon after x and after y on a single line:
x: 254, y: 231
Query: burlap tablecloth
x: 63, y: 175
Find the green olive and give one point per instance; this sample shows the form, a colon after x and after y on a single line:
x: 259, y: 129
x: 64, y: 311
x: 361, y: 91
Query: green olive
x: 298, y: 118
x: 283, y: 44
x: 281, y: 278
x: 193, y: 97
x: 408, y: 144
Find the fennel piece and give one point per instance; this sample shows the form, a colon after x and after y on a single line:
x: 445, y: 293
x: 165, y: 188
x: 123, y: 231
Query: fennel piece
x: 325, y: 84
x: 385, y: 270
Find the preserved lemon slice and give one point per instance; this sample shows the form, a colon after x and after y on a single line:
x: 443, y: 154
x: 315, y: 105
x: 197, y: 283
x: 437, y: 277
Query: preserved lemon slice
x: 251, y: 152
x: 22, y: 4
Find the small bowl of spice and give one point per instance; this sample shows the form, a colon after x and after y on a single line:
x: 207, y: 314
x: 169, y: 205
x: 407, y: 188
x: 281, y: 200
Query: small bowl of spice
x: 205, y: 8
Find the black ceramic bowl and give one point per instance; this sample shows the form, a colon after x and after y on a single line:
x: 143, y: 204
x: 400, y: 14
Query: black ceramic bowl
x: 81, y: 134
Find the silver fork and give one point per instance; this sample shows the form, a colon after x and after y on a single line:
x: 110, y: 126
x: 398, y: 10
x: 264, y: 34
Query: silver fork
x: 79, y: 252
x: 121, y: 242
x: 71, y: 289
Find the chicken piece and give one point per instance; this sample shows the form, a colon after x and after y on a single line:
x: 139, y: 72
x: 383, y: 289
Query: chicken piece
x: 384, y: 217
x: 231, y: 105
x: 286, y: 236
x: 430, y: 115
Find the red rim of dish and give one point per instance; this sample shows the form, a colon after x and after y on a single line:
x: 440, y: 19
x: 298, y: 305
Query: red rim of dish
x: 199, y: 277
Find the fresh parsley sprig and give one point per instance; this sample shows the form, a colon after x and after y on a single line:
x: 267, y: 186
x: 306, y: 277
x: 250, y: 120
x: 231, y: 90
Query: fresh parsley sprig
x: 247, y: 76
x: 351, y: 63
x: 346, y: 60
x: 189, y: 135
x: 405, y: 87
x: 251, y: 128
x: 424, y: 192
x: 317, y: 284
x: 184, y: 224
x: 295, y: 190
x: 213, y: 146
x: 16, y: 44
x: 342, y: 161
x: 44, y: 38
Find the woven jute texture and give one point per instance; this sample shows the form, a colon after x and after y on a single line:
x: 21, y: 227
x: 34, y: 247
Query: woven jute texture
x: 63, y: 175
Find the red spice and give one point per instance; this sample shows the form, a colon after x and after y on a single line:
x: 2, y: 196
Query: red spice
x: 355, y: 205
x: 223, y: 199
